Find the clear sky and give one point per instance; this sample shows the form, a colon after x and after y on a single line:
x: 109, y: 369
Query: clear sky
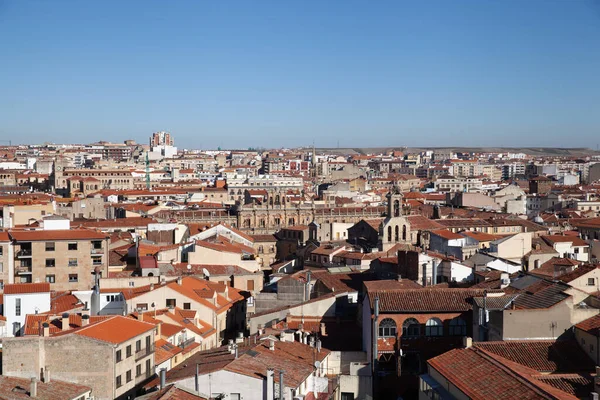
x: 286, y: 73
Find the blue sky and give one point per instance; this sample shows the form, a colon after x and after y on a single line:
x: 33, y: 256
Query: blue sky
x: 280, y: 73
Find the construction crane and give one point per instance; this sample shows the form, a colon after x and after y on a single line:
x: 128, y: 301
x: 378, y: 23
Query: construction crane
x: 147, y: 172
x: 7, y: 141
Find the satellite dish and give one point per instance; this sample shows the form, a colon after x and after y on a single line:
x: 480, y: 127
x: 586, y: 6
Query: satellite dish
x: 205, y: 272
x: 189, y: 267
x: 317, y: 364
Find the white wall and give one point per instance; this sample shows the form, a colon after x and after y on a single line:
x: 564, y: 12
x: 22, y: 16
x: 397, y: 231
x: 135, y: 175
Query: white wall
x: 31, y: 303
x: 226, y: 382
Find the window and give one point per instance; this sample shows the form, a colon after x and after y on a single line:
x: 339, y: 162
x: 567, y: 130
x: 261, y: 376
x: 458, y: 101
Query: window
x: 234, y: 396
x: 434, y: 327
x: 171, y: 303
x: 347, y: 396
x: 591, y: 281
x: 73, y: 278
x: 50, y: 262
x: 128, y: 351
x: 250, y: 284
x: 142, y: 306
x: 119, y: 358
x: 96, y: 260
x: 187, y: 306
x: 49, y: 246
x: 458, y: 327
x: 72, y: 262
x: 138, y: 345
x: 50, y: 278
x: 96, y: 244
x: 18, y: 307
x: 387, y: 328
x: 1, y: 250
x: 411, y: 328
x: 128, y: 376
x: 72, y: 246
x: 119, y: 383
x: 138, y: 370
x: 1, y: 265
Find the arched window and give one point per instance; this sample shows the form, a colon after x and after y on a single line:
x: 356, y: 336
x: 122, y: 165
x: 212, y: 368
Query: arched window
x: 411, y: 328
x: 458, y: 327
x: 389, y: 233
x: 396, y: 235
x: 396, y: 208
x: 434, y: 327
x: 387, y: 328
x: 403, y: 232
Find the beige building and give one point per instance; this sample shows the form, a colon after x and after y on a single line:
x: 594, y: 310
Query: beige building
x: 65, y: 258
x: 219, y: 306
x: 24, y: 212
x: 113, y: 356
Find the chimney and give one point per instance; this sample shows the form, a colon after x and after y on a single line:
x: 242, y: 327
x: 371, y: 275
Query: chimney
x: 271, y: 345
x: 179, y: 280
x: 33, y: 388
x: 163, y: 378
x: 399, y: 278
x: 65, y: 322
x: 467, y: 342
x: 152, y: 286
x: 45, y: 329
x: 282, y: 336
x: 230, y: 346
x: 281, y: 385
x: 85, y: 320
x: 235, y: 347
x: 300, y: 326
x: 270, y: 384
x: 318, y: 345
x: 46, y: 375
x: 240, y: 337
x: 323, y: 329
x: 311, y: 341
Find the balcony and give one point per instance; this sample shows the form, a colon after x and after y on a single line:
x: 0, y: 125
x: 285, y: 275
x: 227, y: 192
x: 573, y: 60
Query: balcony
x: 24, y: 253
x: 144, y: 353
x: 144, y: 376
x: 23, y: 270
x: 99, y: 251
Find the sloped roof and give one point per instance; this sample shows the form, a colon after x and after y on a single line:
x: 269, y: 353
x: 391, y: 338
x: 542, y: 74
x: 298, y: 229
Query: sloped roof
x: 115, y: 330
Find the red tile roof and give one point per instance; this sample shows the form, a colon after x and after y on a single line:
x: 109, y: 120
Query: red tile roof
x: 551, y: 239
x: 115, y: 330
x: 590, y: 325
x: 423, y: 300
x: 481, y: 377
x: 67, y: 234
x: 24, y: 288
x: 446, y: 234
x: 14, y: 388
x: 546, y: 356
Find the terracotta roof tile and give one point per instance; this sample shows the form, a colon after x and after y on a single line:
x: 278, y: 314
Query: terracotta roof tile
x: 70, y: 234
x: 14, y: 388
x: 116, y: 329
x: 22, y: 288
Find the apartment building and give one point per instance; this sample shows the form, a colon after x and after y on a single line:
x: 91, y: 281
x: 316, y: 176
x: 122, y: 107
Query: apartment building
x: 113, y: 356
x: 64, y: 258
x: 457, y: 184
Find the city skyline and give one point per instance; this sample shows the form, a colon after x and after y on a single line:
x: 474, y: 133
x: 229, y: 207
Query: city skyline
x: 399, y: 74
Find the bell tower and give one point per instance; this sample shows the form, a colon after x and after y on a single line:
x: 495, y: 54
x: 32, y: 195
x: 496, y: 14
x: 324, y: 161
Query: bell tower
x: 394, y: 200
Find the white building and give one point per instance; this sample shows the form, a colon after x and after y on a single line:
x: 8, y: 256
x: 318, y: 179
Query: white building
x: 21, y: 299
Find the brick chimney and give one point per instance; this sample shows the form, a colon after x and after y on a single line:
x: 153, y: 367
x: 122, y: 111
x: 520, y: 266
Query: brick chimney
x: 85, y: 320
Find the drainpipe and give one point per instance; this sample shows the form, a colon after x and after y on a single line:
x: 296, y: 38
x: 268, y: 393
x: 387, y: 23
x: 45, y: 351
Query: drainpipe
x: 375, y: 335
